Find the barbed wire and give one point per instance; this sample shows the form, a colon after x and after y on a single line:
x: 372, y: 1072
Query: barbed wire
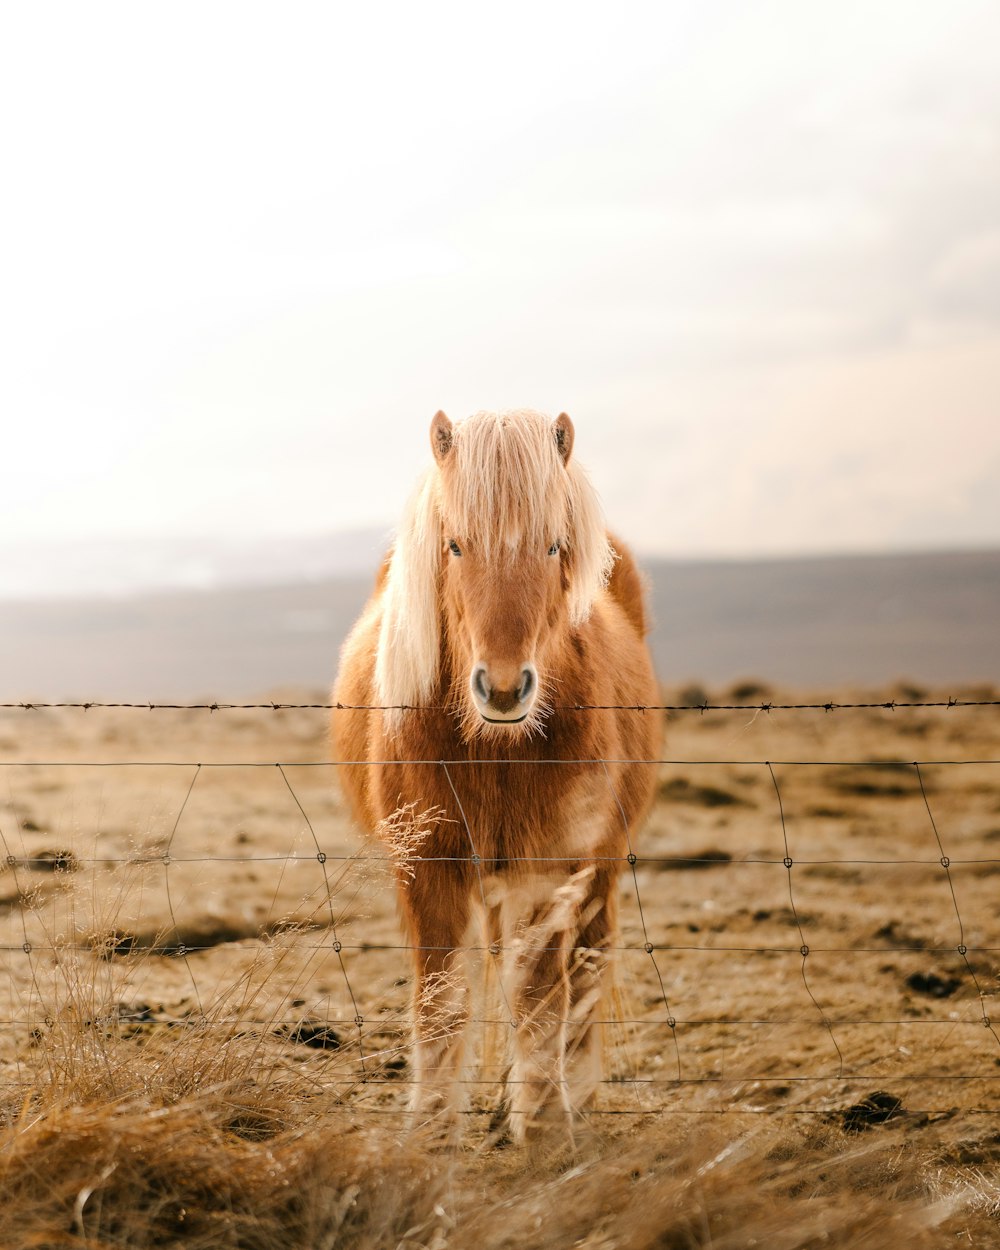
x: 435, y: 762
x: 825, y: 705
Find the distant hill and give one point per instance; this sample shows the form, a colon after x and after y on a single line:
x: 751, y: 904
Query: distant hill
x: 830, y: 621
x: 94, y: 567
x: 824, y: 622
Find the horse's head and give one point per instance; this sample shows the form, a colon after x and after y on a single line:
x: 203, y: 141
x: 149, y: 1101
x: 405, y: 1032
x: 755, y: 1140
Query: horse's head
x: 504, y: 543
x: 511, y: 543
x: 505, y: 526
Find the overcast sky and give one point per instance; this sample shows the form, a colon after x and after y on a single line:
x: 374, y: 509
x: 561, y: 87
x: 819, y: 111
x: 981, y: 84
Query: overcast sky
x: 246, y: 251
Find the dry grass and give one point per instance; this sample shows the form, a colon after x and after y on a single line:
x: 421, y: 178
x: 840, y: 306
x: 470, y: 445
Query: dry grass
x: 252, y: 1166
x: 137, y: 1175
x: 182, y: 1068
x: 183, y: 1143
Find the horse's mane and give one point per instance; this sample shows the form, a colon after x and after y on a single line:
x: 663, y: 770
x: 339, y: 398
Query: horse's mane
x: 504, y: 483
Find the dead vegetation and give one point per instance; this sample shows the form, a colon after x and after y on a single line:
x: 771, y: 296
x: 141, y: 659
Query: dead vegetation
x: 188, y: 1143
x: 198, y: 1077
x: 204, y: 1174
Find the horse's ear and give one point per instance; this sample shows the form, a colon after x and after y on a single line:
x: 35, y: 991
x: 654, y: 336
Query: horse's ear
x: 563, y: 431
x: 441, y: 437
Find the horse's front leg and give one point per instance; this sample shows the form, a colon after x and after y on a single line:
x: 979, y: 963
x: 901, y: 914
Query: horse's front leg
x: 538, y: 985
x: 590, y: 975
x: 436, y: 908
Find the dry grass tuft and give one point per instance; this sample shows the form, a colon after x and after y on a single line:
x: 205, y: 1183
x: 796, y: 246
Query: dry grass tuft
x: 777, y: 1188
x: 138, y: 1175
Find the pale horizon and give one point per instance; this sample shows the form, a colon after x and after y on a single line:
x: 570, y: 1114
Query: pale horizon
x: 122, y: 568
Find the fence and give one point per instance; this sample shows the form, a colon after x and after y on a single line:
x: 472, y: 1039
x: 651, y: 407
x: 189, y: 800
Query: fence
x: 800, y: 934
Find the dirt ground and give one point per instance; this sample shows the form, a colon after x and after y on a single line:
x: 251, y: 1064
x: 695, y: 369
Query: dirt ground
x: 811, y: 929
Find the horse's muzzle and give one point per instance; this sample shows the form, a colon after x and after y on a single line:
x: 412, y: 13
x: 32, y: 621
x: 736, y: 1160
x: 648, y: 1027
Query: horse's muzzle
x: 503, y: 704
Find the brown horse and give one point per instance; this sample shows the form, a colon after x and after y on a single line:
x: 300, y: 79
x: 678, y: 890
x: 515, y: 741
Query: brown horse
x: 505, y: 641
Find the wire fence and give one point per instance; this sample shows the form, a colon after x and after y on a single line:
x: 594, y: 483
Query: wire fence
x: 826, y: 705
x: 797, y: 970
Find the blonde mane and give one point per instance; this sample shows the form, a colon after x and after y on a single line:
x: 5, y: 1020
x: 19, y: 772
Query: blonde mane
x: 504, y: 485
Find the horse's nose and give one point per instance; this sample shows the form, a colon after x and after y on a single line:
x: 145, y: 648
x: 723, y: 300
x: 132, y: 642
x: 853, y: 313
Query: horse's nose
x: 503, y: 701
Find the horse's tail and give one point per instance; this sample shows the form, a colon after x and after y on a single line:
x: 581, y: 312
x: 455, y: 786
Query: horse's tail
x: 627, y: 587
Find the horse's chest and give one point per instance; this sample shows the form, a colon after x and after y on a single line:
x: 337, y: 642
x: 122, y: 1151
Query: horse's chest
x: 517, y: 817
x: 510, y: 812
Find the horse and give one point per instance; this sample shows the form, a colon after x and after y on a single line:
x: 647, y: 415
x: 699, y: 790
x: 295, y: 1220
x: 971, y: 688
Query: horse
x: 490, y: 707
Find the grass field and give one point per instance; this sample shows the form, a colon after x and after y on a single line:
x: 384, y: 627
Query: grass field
x: 206, y: 996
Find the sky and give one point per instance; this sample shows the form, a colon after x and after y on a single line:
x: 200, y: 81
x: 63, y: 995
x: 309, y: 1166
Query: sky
x: 247, y: 251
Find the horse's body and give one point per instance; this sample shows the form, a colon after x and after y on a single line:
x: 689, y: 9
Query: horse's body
x: 501, y: 607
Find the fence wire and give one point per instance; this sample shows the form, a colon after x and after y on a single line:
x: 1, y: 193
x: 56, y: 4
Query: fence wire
x: 358, y: 1032
x: 826, y: 705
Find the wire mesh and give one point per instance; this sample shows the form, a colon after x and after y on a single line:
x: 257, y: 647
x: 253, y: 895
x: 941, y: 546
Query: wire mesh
x: 215, y: 898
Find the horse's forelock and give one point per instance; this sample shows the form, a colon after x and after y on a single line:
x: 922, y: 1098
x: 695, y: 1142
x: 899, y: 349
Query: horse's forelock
x: 505, y: 485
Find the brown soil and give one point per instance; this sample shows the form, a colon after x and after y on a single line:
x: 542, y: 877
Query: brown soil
x: 818, y: 890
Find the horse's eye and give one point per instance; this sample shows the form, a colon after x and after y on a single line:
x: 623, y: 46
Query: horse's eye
x: 454, y: 548
x: 554, y: 549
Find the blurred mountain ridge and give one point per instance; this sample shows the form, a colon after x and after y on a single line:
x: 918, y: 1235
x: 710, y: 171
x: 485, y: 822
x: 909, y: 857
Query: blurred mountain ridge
x: 803, y: 622
x: 84, y: 567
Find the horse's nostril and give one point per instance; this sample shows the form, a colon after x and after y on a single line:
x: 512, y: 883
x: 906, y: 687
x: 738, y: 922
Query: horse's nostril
x: 527, y: 685
x: 480, y: 686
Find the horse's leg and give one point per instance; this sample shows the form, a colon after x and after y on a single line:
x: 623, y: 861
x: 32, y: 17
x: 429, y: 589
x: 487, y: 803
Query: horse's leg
x: 589, y: 971
x: 436, y: 909
x: 539, y: 1003
x: 496, y: 1048
x: 538, y: 994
